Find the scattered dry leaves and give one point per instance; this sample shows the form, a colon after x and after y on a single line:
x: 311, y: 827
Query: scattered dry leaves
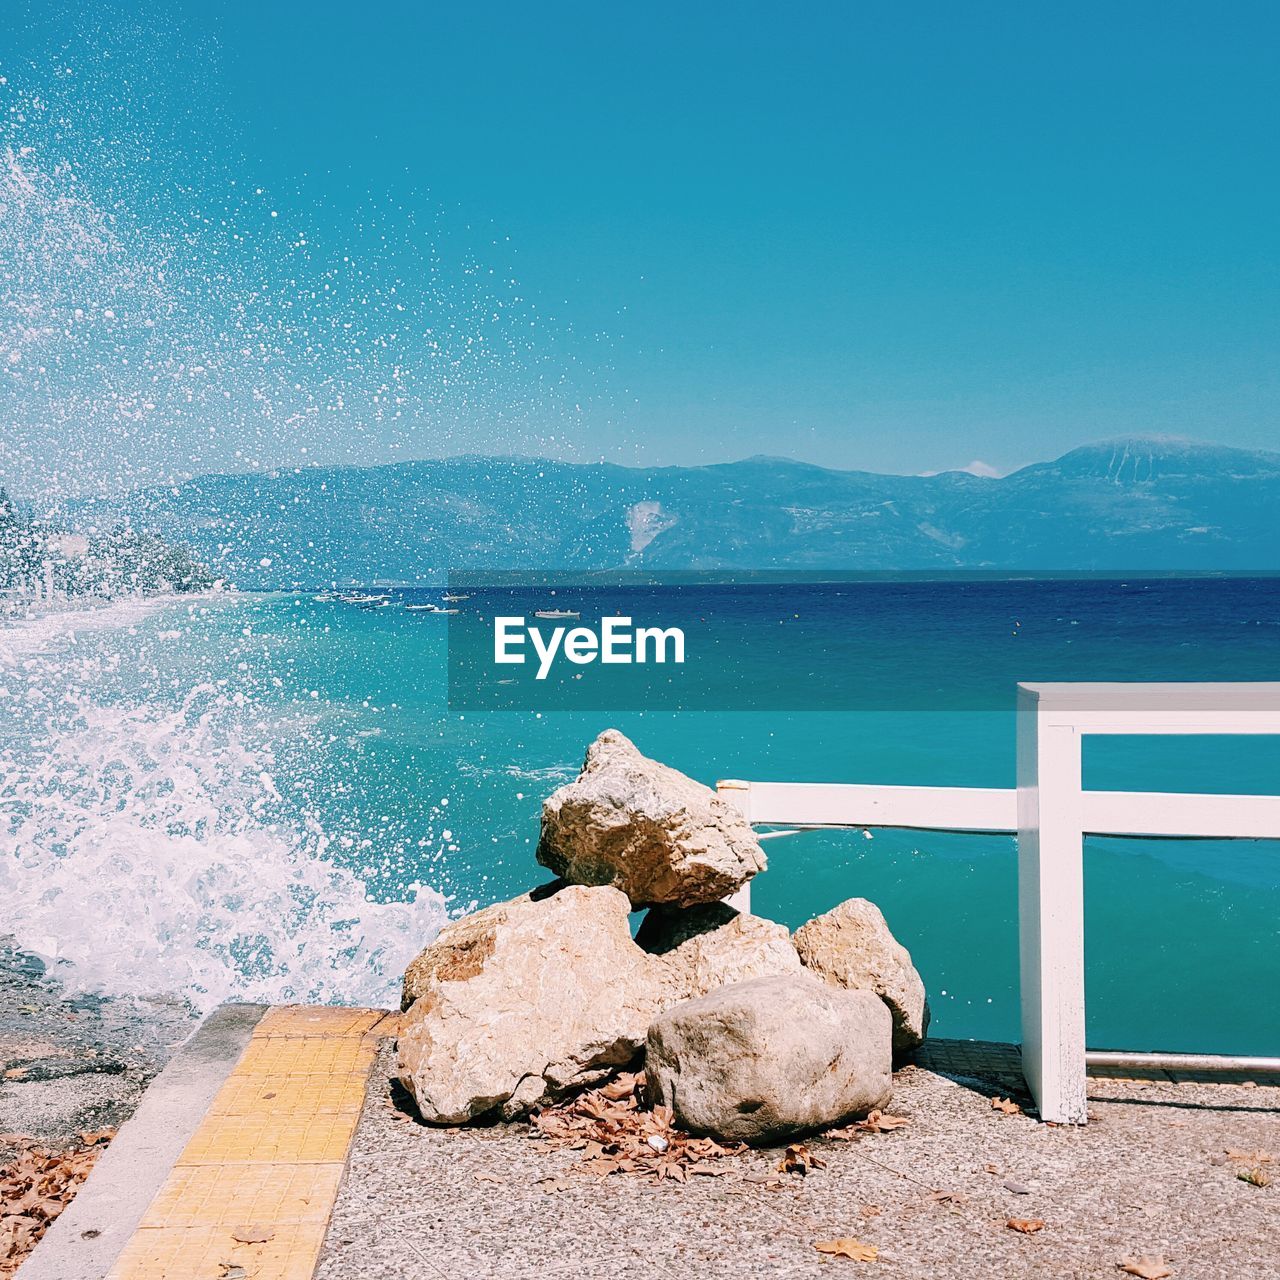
x: 617, y: 1135
x: 1146, y: 1268
x: 948, y: 1197
x: 35, y: 1186
x: 1254, y: 1177
x: 1006, y: 1106
x: 848, y: 1247
x: 876, y: 1122
x: 1028, y: 1226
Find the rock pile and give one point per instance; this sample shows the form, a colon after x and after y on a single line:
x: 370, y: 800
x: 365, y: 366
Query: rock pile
x: 526, y: 1002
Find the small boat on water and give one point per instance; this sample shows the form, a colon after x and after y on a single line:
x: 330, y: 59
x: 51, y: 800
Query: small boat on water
x: 555, y: 613
x: 428, y: 608
x: 455, y: 597
x: 358, y: 597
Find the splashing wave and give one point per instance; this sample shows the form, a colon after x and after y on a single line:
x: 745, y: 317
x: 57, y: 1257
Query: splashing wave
x: 147, y: 844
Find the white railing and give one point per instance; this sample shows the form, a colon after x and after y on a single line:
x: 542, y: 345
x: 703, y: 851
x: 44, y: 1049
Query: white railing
x: 1051, y: 813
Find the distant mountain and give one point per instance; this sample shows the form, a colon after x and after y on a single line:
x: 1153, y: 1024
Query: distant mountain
x: 1124, y: 504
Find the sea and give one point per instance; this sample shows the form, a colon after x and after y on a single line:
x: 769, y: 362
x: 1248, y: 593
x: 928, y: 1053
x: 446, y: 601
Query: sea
x: 282, y: 796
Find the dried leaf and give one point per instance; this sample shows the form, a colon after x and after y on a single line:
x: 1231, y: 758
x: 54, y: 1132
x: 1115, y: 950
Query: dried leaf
x: 1146, y: 1267
x: 1028, y: 1226
x: 1248, y: 1157
x: 948, y: 1197
x: 96, y: 1136
x: 490, y: 1177
x: 848, y: 1247
x: 799, y: 1159
x: 254, y: 1235
x: 1006, y: 1106
x: 623, y: 1087
x: 554, y: 1184
x: 883, y: 1122
x: 1254, y: 1177
x: 16, y: 1073
x: 876, y: 1122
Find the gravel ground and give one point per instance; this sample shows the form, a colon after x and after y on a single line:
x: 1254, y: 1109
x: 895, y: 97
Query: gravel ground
x: 1148, y: 1176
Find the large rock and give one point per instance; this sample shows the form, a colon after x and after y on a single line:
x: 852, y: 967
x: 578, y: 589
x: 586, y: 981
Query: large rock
x: 460, y: 948
x: 518, y: 1004
x: 765, y: 1060
x: 648, y: 830
x: 851, y: 946
x: 706, y: 946
x: 523, y: 1002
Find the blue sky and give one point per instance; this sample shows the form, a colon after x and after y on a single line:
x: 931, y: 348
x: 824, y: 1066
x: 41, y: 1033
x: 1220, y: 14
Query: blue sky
x: 869, y: 236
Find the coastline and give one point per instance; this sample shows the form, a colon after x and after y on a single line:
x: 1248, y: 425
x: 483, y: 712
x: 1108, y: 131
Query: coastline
x: 43, y: 623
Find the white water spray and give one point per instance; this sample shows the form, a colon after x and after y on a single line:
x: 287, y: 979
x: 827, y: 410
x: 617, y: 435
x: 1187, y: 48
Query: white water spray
x: 148, y: 845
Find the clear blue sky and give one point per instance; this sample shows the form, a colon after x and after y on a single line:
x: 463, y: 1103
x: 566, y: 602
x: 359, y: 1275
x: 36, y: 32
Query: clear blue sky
x: 893, y: 237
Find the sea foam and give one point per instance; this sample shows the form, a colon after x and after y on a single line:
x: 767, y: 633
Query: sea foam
x: 146, y: 849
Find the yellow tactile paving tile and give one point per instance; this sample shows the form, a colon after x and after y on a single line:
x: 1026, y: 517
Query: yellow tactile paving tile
x: 234, y: 1195
x: 211, y: 1253
x: 305, y: 1055
x: 272, y: 1139
x: 312, y: 1020
x: 285, y: 1094
x: 265, y: 1161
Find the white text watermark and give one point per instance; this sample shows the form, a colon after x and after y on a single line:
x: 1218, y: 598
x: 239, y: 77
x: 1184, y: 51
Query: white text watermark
x: 615, y: 641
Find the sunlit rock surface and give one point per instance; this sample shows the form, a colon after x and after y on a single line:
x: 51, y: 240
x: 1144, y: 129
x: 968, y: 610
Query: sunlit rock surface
x: 646, y: 829
x: 765, y: 1060
x: 851, y: 946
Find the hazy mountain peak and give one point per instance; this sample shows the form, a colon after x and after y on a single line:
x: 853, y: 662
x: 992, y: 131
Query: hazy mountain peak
x: 1138, y: 459
x: 1134, y: 503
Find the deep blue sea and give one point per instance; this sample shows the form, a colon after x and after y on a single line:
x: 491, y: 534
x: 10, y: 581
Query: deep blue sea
x: 272, y: 795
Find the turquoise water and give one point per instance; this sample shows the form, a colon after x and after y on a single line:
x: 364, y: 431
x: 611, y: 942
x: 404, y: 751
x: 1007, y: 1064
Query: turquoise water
x: 1182, y: 937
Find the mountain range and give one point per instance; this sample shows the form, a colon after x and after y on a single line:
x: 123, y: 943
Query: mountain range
x: 1130, y: 504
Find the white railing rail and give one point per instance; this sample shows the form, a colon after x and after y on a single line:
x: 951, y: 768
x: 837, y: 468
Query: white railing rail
x: 1051, y: 813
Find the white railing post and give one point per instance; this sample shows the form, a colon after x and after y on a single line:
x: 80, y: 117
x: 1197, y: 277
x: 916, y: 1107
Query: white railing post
x: 1051, y: 912
x: 738, y: 794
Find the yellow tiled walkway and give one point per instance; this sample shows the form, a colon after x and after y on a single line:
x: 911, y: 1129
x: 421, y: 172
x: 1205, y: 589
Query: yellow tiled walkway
x: 251, y: 1193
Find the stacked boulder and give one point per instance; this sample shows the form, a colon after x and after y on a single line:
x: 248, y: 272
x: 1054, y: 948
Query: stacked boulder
x: 522, y: 1003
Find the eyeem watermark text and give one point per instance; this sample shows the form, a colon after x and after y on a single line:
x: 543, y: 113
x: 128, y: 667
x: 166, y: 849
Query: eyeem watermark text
x: 616, y: 641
